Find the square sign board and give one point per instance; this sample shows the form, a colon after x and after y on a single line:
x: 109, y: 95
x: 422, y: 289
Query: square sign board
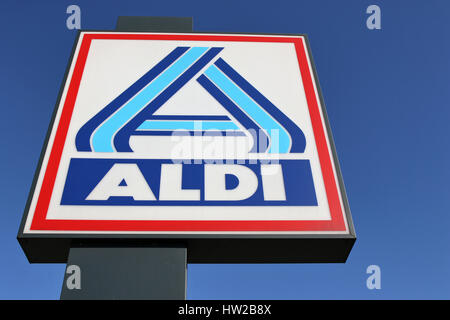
x: 217, y: 142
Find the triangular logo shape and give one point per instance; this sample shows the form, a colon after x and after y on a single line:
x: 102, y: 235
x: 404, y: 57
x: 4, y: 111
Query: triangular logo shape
x: 133, y: 111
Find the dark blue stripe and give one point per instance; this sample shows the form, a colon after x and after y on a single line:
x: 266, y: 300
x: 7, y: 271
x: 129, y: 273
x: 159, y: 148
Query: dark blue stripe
x: 236, y: 112
x: 82, y: 140
x: 121, y: 140
x: 84, y: 174
x: 297, y: 136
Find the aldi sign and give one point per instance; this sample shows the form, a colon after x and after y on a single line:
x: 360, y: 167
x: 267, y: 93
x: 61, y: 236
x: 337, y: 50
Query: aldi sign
x: 217, y: 142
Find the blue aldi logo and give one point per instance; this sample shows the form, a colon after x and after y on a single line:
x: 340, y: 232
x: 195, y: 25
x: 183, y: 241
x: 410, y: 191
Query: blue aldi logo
x: 246, y: 112
x: 188, y: 133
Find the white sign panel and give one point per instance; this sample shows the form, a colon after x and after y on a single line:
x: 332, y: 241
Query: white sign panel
x: 189, y: 134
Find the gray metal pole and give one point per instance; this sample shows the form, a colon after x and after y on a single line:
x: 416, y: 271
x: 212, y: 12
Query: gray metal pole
x: 125, y: 273
x: 111, y: 272
x: 154, y: 24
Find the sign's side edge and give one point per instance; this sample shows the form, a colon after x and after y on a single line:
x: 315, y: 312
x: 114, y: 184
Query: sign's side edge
x: 38, y: 169
x: 336, y: 163
x: 215, y: 250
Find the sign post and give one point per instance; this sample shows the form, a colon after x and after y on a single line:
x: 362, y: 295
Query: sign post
x: 125, y: 273
x: 215, y: 146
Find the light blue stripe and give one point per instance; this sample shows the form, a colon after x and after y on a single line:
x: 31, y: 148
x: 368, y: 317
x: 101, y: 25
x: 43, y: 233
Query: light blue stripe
x: 187, y: 125
x: 251, y: 108
x: 102, y: 138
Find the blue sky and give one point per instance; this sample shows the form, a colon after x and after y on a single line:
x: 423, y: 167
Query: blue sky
x: 387, y: 94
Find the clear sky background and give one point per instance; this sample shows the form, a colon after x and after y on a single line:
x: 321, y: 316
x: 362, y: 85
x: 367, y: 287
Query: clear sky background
x: 387, y: 93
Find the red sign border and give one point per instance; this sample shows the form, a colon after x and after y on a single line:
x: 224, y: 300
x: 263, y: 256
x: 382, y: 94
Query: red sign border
x: 337, y: 223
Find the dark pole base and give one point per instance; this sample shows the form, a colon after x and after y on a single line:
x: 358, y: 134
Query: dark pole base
x: 125, y: 273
